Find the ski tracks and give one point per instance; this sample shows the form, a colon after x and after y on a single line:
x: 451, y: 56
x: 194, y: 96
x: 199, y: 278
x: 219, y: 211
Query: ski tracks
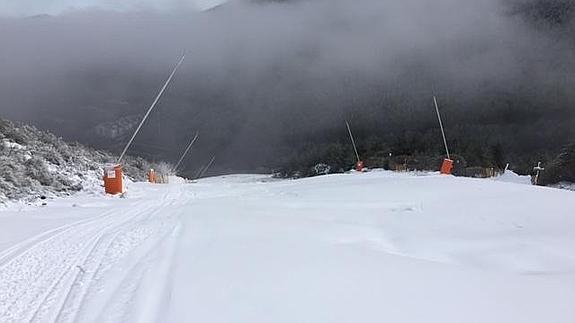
x: 71, y: 273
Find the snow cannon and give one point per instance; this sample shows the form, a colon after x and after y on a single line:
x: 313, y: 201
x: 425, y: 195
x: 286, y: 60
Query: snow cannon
x: 114, y: 179
x: 359, y: 166
x: 446, y: 167
x: 152, y: 176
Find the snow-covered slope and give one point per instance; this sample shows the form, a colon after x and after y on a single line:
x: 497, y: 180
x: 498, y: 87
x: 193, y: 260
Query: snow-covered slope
x: 36, y: 163
x: 376, y: 247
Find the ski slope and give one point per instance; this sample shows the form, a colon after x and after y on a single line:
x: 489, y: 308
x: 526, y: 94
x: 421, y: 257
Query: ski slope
x: 375, y: 247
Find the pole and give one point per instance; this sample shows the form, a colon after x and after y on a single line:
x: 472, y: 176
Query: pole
x: 151, y: 108
x: 186, y: 151
x: 538, y: 169
x: 206, y: 168
x: 352, y: 141
x: 441, y: 126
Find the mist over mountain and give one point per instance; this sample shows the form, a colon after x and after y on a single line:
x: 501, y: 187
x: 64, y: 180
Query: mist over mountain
x: 267, y: 81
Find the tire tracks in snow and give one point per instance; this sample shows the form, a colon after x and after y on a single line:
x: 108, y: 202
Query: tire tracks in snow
x: 118, y: 291
x: 47, y: 278
x: 138, y: 293
x: 17, y: 249
x: 26, y: 275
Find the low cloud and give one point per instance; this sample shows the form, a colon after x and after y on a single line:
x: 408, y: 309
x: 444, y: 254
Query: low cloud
x: 256, y: 74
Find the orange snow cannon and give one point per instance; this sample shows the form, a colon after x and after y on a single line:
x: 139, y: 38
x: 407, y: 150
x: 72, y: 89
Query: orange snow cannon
x: 113, y: 179
x: 359, y: 166
x: 446, y: 167
x: 152, y: 176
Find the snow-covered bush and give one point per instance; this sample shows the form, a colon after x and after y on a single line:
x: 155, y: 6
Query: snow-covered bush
x: 36, y: 169
x: 321, y: 169
x: 165, y: 169
x: 34, y: 163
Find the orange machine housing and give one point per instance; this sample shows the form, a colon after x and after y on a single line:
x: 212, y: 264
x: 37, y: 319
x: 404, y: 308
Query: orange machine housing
x: 446, y: 167
x: 113, y: 179
x: 152, y: 176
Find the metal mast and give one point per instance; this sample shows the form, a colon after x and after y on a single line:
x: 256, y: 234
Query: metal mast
x: 151, y: 108
x: 186, y: 151
x: 352, y: 140
x: 441, y: 126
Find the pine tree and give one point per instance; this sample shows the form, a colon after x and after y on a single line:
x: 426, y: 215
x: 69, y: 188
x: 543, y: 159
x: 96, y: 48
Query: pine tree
x: 562, y: 169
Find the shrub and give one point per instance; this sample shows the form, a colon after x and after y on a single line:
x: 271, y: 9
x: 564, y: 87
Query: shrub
x: 562, y: 168
x: 36, y: 169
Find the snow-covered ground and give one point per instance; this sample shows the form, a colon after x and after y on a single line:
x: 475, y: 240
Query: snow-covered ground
x: 375, y: 247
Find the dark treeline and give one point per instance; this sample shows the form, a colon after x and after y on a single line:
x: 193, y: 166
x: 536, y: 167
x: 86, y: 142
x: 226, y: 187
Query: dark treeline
x: 511, y: 133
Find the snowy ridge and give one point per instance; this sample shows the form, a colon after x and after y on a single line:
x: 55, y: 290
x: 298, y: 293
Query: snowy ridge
x: 36, y: 163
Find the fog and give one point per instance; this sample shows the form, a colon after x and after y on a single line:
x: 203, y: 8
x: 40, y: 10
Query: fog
x: 260, y: 76
x: 23, y: 8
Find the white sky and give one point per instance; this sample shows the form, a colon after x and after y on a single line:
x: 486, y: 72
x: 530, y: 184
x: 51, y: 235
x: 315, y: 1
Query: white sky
x: 53, y: 7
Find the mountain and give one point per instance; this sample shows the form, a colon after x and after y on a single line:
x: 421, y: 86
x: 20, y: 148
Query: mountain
x: 271, y: 86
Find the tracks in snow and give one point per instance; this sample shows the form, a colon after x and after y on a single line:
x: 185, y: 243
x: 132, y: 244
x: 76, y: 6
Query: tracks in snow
x: 49, y: 278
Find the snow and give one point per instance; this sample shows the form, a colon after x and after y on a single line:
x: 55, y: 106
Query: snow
x: 35, y: 164
x: 12, y: 145
x: 372, y: 247
x: 511, y: 177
